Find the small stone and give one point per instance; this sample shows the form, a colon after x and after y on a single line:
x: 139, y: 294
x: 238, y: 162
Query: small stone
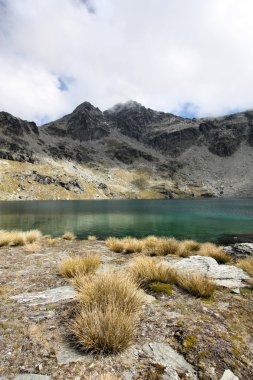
x: 66, y: 355
x: 228, y: 375
x: 62, y: 293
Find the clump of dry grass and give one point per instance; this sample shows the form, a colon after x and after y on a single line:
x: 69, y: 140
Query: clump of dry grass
x: 15, y: 238
x: 79, y: 265
x: 132, y: 245
x: 91, y: 238
x: 105, y: 376
x: 109, y: 331
x: 195, y: 284
x: 109, y: 307
x: 192, y: 245
x: 246, y: 265
x: 166, y: 246
x: 115, y: 244
x: 217, y: 253
x: 145, y: 269
x: 52, y: 242
x: 32, y: 247
x: 68, y: 236
x: 107, y: 288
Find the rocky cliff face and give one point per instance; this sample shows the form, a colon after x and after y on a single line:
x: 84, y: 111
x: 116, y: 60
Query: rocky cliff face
x: 211, y: 156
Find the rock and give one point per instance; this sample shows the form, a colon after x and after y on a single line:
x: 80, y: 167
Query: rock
x: 31, y: 376
x: 228, y: 375
x: 60, y: 294
x: 166, y: 356
x: 240, y: 249
x: 228, y: 276
x: 66, y: 355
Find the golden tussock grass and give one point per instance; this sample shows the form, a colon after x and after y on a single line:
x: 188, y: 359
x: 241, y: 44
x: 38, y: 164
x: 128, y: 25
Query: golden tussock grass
x: 68, y: 236
x: 195, y: 284
x: 109, y: 307
x: 79, y: 265
x: 192, y: 245
x: 108, y: 331
x: 105, y: 376
x: 145, y: 269
x: 103, y: 289
x: 52, y: 242
x: 217, y: 253
x: 114, y: 244
x: 91, y: 238
x: 15, y: 238
x: 246, y: 265
x: 32, y: 247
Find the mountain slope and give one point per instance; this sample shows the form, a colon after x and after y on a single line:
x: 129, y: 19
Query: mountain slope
x: 128, y: 151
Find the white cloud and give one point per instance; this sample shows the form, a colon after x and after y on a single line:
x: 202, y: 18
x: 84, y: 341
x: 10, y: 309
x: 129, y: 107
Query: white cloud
x: 162, y: 53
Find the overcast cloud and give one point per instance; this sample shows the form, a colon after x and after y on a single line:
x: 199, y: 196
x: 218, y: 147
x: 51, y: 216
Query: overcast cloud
x: 182, y: 56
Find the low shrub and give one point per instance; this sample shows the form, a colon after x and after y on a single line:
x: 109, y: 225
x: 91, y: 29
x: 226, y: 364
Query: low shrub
x: 79, y: 265
x: 68, y: 236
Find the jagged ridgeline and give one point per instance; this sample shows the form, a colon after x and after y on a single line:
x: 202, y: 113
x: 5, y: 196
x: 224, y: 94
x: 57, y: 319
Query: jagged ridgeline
x: 166, y: 155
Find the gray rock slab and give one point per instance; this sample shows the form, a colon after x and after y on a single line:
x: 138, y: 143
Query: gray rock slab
x: 228, y: 276
x: 165, y: 355
x: 240, y: 249
x: 66, y: 355
x: 31, y: 376
x: 228, y: 375
x: 60, y: 294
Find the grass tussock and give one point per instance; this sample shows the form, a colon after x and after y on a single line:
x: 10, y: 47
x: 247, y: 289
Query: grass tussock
x: 108, y: 288
x: 108, y: 331
x: 217, y: 253
x: 146, y: 270
x: 32, y: 247
x: 105, y: 376
x: 52, y: 242
x: 79, y: 265
x: 109, y: 307
x: 246, y: 265
x: 68, y: 236
x: 115, y: 244
x: 196, y: 284
x: 91, y: 238
x: 15, y: 238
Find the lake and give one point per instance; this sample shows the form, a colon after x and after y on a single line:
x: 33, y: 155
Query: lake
x: 199, y: 219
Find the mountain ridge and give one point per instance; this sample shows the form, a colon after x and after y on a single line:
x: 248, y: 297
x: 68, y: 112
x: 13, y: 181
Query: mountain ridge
x: 184, y: 157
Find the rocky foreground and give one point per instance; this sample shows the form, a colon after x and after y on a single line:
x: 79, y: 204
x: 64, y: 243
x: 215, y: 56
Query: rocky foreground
x: 179, y: 336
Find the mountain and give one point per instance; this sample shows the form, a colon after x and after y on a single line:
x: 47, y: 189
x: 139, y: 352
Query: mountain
x: 128, y: 151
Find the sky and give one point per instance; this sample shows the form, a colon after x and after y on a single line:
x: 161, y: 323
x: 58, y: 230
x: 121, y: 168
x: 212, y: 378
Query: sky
x: 190, y: 57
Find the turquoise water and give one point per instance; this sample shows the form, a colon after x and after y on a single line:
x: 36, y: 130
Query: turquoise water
x: 203, y: 220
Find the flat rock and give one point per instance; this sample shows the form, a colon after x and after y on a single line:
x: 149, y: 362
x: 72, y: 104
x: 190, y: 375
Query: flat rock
x: 228, y: 375
x: 240, y: 249
x: 166, y: 356
x: 228, y: 276
x: 31, y: 376
x: 66, y: 355
x: 60, y: 294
